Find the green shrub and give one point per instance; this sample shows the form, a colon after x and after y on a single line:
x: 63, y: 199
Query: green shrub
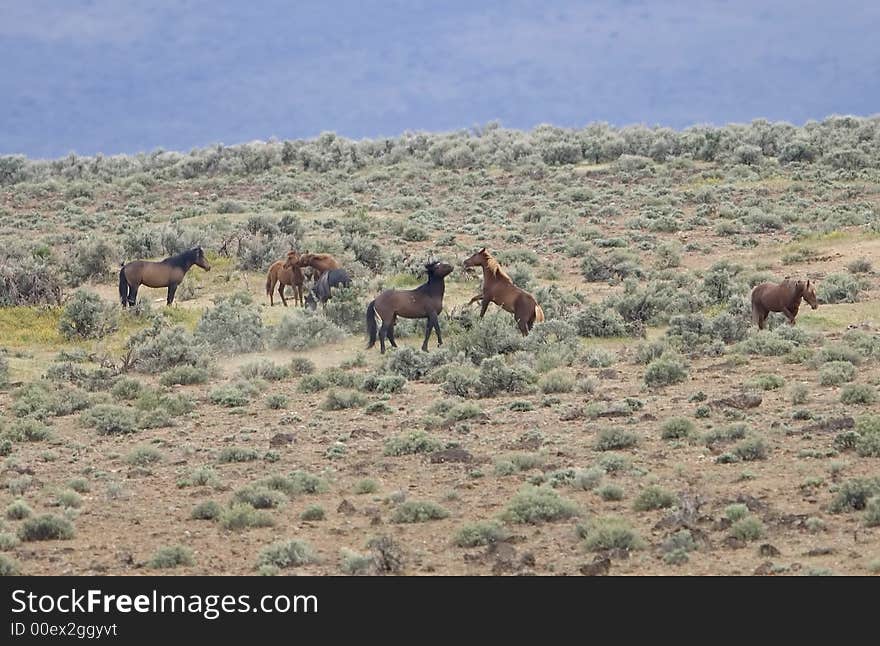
x: 312, y: 512
x: 611, y: 439
x: 858, y: 394
x: 415, y: 442
x: 301, y: 366
x: 677, y: 428
x: 207, y: 510
x: 481, y: 533
x: 184, y: 375
x: 872, y: 512
x: 8, y: 566
x: 69, y: 499
x: 418, y: 512
x: 45, y: 528
x: 557, y: 381
x: 535, y: 505
x: 867, y: 442
x: 839, y: 288
x: 610, y: 533
x: 610, y: 492
x: 767, y: 382
x: 239, y: 517
x: 237, y: 454
x: 854, y: 495
x: 229, y: 395
x: 87, y: 316
x: 352, y: 563
x: 302, y: 329
x: 18, y: 510
x: 303, y: 482
x: 365, y: 486
x: 751, y: 449
x: 747, y: 529
x: 799, y: 394
x: 835, y: 373
x: 384, y: 383
x: 232, y: 326
x: 108, y: 419
x: 171, y: 557
x: 264, y: 369
x: 276, y: 401
x: 28, y: 430
x: 653, y: 497
x: 158, y: 349
x: 496, y: 376
x: 287, y: 554
x: 259, y: 497
x: 8, y: 541
x: 143, y: 456
x: 664, y: 372
x: 342, y: 400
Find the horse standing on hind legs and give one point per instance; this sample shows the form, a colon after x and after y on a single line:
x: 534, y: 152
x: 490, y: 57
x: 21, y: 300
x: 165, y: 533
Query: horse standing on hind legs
x: 423, y: 302
x: 285, y: 272
x: 165, y: 273
x: 498, y: 288
x: 785, y: 297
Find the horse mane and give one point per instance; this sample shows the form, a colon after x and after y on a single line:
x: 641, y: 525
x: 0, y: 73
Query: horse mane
x: 183, y: 258
x: 495, y: 268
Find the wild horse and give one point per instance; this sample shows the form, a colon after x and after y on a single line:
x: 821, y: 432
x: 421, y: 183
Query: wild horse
x: 785, y: 297
x: 498, y: 288
x: 166, y: 273
x: 423, y: 302
x: 285, y: 272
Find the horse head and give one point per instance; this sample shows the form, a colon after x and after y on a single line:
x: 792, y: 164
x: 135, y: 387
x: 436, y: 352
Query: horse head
x: 438, y: 269
x: 478, y: 259
x: 200, y: 260
x: 808, y: 293
x: 293, y: 259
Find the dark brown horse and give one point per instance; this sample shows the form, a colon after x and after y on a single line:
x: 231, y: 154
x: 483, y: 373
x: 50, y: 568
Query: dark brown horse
x: 498, y: 288
x: 785, y: 297
x: 166, y: 273
x: 425, y: 301
x: 285, y: 272
x: 320, y: 262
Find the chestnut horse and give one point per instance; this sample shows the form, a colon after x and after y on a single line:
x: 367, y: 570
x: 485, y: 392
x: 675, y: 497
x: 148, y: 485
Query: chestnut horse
x: 498, y: 288
x: 423, y: 302
x: 320, y: 262
x: 784, y: 297
x: 285, y: 272
x: 166, y: 273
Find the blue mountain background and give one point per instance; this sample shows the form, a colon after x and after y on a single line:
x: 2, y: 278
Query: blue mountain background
x: 105, y: 76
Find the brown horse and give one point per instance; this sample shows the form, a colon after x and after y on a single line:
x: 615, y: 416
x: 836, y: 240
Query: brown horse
x: 425, y: 301
x: 166, y: 273
x: 784, y: 297
x: 320, y: 262
x: 285, y: 272
x: 498, y: 288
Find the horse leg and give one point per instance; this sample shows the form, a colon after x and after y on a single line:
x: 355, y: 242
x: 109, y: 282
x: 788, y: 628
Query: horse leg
x: 281, y: 293
x: 484, y: 307
x: 391, y: 331
x: 298, y: 292
x: 429, y: 325
x: 475, y: 299
x: 789, y: 315
x: 132, y: 295
x: 523, y: 326
x: 172, y: 288
x: 437, y: 330
x: 383, y: 333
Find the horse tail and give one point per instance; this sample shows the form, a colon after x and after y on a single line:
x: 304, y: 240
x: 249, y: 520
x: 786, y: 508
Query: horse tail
x: 270, y: 282
x: 123, y: 286
x: 372, y: 328
x: 539, y: 314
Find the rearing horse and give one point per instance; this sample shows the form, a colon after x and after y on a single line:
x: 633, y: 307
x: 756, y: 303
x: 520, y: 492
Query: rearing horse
x: 784, y: 297
x: 166, y: 273
x: 320, y: 262
x: 498, y: 288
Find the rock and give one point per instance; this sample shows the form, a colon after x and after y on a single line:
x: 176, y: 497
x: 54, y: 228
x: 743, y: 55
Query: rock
x: 600, y: 566
x: 281, y: 439
x: 741, y: 401
x: 768, y: 550
x: 456, y: 454
x: 346, y: 508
